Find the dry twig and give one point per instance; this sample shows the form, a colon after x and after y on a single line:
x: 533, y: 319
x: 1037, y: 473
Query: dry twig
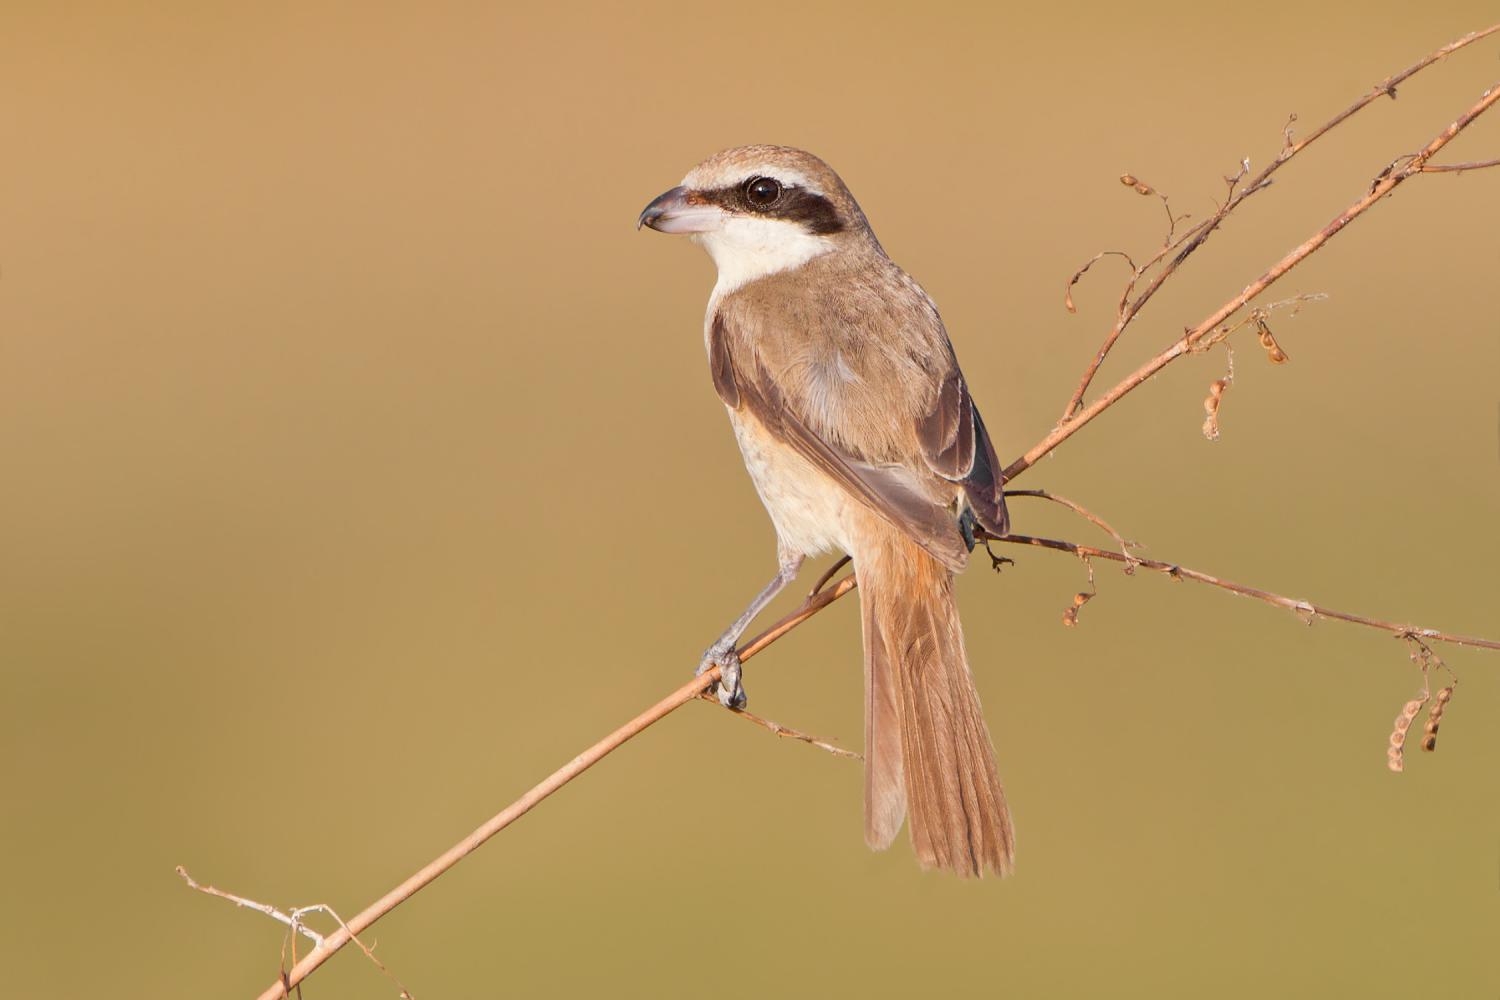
x: 1088, y: 515
x: 292, y: 920
x: 1305, y: 609
x: 778, y: 729
x: 295, y: 926
x: 1458, y: 168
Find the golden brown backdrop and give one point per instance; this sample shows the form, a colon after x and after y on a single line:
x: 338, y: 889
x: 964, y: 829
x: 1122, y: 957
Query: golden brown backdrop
x: 361, y: 465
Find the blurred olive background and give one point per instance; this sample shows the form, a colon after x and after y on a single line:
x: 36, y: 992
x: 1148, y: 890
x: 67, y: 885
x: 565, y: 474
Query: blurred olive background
x: 361, y: 465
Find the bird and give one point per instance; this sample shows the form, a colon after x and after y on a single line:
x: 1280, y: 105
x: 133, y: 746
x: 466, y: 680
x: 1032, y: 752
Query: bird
x: 860, y: 435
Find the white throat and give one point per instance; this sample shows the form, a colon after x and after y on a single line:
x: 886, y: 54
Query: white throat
x: 745, y: 249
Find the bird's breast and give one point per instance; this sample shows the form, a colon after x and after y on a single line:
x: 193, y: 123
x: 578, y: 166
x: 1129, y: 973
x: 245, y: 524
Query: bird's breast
x: 809, y: 510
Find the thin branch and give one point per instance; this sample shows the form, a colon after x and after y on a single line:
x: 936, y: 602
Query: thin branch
x: 1304, y: 608
x: 1078, y: 275
x: 1199, y: 235
x: 1087, y: 514
x: 292, y: 920
x: 1387, y: 87
x: 829, y: 574
x: 1382, y: 187
x: 295, y: 924
x: 1458, y: 168
x: 786, y: 731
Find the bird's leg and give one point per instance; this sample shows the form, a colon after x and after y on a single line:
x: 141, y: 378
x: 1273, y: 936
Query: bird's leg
x: 722, y: 653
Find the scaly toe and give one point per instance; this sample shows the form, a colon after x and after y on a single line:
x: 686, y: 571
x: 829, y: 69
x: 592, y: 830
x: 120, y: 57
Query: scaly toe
x: 731, y: 691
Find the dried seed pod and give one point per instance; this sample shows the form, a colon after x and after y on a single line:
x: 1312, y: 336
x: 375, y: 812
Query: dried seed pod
x: 1435, y: 718
x: 1211, y: 407
x: 1216, y: 390
x: 1268, y: 341
x: 1128, y: 180
x: 1070, y: 616
x: 1394, y: 755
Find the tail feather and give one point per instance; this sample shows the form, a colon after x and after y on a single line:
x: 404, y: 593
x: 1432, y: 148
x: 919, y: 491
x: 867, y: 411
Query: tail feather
x: 927, y: 749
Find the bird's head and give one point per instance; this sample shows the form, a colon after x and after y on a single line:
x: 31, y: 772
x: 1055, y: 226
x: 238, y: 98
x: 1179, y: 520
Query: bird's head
x: 761, y: 209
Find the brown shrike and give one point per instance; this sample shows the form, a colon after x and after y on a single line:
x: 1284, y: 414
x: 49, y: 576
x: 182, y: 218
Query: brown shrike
x: 859, y: 432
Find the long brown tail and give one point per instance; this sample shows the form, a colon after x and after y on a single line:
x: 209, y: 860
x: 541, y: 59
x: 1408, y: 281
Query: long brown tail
x: 927, y: 750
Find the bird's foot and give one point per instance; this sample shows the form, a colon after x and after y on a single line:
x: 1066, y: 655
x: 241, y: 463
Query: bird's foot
x: 729, y: 689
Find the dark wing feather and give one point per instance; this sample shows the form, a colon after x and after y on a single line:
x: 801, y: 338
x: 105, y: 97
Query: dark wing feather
x: 946, y: 434
x: 958, y: 448
x: 878, y: 487
x: 721, y: 366
x: 985, y: 483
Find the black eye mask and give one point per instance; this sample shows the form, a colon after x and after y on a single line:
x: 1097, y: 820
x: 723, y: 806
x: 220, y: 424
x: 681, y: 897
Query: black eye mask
x: 768, y: 197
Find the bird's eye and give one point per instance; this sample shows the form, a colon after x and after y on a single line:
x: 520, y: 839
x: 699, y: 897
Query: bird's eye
x: 762, y: 192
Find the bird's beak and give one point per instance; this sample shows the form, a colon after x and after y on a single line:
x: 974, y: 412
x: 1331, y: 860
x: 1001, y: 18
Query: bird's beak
x: 678, y: 211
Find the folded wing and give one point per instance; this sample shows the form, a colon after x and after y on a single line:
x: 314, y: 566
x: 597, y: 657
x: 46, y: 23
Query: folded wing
x: 884, y: 488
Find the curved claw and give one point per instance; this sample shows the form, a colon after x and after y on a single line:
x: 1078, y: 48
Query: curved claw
x: 730, y: 690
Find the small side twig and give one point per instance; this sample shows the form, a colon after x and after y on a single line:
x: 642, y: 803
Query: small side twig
x: 292, y: 920
x: 296, y: 925
x: 1259, y: 317
x: 1130, y: 560
x: 1305, y: 609
x: 1458, y: 168
x: 787, y: 731
x: 829, y: 574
